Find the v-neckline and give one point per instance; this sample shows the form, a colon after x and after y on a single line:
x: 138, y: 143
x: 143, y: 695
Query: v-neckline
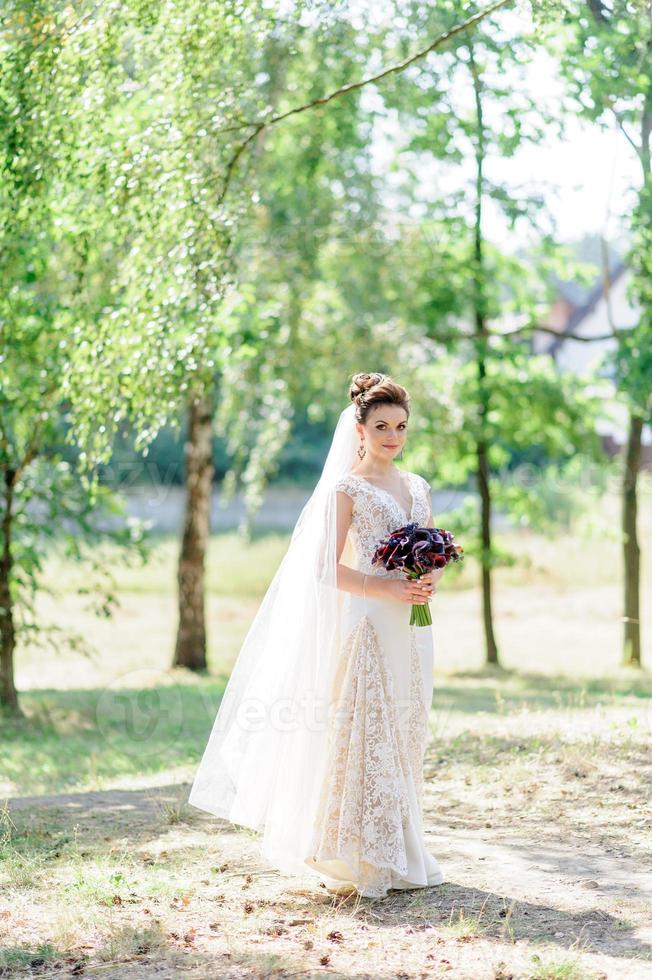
x: 391, y: 495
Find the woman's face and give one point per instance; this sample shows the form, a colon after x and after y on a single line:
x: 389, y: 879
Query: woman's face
x: 383, y: 434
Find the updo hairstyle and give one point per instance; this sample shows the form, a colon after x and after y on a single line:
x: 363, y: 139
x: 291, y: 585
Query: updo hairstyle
x: 368, y: 390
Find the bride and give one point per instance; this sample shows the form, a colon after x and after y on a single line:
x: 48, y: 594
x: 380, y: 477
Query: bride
x: 320, y: 736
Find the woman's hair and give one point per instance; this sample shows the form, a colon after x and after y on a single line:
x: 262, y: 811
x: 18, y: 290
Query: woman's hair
x: 368, y: 390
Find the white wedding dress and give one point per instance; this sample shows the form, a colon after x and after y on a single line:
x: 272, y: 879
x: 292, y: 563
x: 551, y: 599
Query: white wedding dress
x: 370, y: 826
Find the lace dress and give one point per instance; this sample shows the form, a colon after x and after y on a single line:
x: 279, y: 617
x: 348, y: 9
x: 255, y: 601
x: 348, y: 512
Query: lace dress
x: 370, y: 830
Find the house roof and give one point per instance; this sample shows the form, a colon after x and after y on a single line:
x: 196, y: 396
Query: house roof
x: 584, y: 304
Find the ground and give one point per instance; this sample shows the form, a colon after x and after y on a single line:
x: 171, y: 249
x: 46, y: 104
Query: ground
x: 540, y: 817
x: 538, y: 783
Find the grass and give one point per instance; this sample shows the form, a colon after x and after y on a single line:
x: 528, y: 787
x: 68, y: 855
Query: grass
x: 93, y: 739
x: 122, y: 738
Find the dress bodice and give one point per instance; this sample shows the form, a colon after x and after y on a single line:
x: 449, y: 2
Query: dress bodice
x: 376, y: 513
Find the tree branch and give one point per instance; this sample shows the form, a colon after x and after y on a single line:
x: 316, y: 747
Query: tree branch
x: 621, y: 126
x: 353, y: 86
x: 555, y: 333
x: 395, y: 69
x: 457, y: 336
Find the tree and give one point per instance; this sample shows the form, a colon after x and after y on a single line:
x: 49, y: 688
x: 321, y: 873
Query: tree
x: 42, y: 498
x: 605, y: 52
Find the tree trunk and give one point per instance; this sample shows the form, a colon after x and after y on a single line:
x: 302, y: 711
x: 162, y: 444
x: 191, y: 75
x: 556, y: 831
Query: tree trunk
x: 481, y: 333
x: 631, y: 550
x: 190, y: 648
x: 485, y: 505
x: 8, y: 693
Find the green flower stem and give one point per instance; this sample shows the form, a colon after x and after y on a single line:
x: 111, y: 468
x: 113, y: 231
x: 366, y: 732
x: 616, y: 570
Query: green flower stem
x: 420, y: 615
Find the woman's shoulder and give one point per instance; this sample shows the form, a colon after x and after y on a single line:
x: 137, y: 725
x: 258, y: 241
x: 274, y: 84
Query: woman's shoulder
x: 350, y: 483
x: 420, y: 481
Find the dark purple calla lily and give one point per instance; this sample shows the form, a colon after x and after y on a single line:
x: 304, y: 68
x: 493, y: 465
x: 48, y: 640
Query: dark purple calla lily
x: 417, y: 550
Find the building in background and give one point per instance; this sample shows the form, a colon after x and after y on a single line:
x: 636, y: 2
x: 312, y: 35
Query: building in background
x: 594, y: 311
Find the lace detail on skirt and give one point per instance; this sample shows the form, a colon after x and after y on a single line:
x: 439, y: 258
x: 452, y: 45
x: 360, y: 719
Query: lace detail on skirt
x: 418, y: 727
x: 375, y: 760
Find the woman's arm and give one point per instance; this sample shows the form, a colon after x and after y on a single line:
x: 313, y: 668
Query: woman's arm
x: 361, y: 583
x: 349, y: 579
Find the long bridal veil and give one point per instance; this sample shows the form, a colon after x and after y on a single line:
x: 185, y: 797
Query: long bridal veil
x: 265, y: 759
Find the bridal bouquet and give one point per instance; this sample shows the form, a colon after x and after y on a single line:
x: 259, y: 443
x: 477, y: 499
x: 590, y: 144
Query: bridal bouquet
x: 417, y: 550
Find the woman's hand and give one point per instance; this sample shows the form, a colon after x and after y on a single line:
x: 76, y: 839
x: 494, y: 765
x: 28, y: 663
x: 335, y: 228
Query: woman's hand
x: 433, y: 577
x: 416, y: 591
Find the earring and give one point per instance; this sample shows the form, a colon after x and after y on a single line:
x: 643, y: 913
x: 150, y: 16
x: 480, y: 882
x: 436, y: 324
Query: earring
x: 400, y: 455
x: 361, y: 451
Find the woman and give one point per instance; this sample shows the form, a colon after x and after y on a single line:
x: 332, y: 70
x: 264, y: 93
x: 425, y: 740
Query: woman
x: 319, y: 739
